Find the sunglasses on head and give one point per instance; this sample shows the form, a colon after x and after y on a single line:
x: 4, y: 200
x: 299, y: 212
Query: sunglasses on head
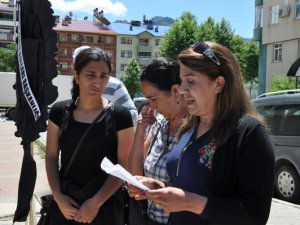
x: 204, y: 49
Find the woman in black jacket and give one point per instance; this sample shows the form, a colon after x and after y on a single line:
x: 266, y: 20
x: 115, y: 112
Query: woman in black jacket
x: 225, y: 172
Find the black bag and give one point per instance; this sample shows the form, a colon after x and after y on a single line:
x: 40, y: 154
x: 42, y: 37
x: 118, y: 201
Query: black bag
x: 46, y: 202
x: 137, y: 212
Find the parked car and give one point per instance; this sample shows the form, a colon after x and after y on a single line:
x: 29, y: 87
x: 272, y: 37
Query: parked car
x: 139, y: 102
x: 281, y: 111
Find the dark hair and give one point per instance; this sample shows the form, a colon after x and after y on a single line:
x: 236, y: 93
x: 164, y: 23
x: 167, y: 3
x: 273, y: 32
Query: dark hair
x: 82, y: 59
x: 233, y: 101
x: 162, y: 73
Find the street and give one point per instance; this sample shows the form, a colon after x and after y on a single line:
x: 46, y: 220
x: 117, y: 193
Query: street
x: 11, y: 154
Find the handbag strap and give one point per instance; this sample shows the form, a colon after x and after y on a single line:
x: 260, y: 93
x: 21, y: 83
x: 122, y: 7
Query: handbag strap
x: 98, y: 118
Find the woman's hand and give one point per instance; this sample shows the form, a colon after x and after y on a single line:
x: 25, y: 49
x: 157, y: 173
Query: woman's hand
x: 174, y: 200
x: 146, y: 117
x: 138, y: 193
x: 68, y: 206
x: 87, y: 212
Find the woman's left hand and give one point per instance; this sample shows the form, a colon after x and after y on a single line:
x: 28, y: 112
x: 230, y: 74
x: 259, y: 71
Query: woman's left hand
x: 87, y: 212
x: 172, y: 199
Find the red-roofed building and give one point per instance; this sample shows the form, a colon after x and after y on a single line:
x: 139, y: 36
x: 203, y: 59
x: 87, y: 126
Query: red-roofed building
x: 76, y: 33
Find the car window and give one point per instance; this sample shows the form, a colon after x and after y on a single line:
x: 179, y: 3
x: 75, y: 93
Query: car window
x: 272, y: 115
x: 290, y: 124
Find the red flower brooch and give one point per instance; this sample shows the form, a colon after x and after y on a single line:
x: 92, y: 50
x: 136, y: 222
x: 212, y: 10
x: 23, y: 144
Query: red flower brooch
x: 206, y: 154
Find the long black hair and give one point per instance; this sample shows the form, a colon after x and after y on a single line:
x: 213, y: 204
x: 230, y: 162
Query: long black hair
x: 82, y: 59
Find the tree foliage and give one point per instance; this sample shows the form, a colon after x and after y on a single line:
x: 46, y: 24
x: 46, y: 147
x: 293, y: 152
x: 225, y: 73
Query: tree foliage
x: 131, y: 78
x: 283, y: 83
x: 249, y: 61
x: 7, y: 58
x: 181, y: 35
x: 185, y: 31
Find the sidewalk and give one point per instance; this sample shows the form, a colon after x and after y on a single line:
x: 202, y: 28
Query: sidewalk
x: 11, y: 153
x: 11, y: 156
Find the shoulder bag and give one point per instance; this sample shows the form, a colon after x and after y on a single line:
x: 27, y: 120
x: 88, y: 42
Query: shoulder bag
x: 47, y: 200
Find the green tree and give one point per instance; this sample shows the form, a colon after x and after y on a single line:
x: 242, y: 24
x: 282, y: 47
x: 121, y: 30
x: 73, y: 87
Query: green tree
x: 207, y: 30
x: 7, y: 58
x: 182, y: 34
x: 246, y: 52
x: 224, y: 34
x: 249, y: 61
x: 282, y: 83
x: 131, y: 78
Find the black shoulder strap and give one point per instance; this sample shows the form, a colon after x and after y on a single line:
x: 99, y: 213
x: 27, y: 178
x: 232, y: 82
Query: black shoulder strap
x: 153, y: 140
x: 98, y: 118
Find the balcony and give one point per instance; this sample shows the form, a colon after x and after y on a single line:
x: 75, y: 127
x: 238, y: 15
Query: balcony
x: 143, y: 60
x: 144, y: 47
x: 259, y: 2
x: 6, y: 37
x: 257, y: 34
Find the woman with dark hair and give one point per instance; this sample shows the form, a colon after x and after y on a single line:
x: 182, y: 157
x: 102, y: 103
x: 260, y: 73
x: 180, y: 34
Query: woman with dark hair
x: 85, y: 193
x: 225, y: 172
x: 160, y: 84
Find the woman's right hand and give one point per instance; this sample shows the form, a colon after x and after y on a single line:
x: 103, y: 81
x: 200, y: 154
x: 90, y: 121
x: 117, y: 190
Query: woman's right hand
x: 146, y: 117
x: 138, y: 193
x: 68, y: 206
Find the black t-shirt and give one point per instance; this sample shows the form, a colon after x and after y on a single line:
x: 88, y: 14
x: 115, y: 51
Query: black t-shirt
x: 100, y: 142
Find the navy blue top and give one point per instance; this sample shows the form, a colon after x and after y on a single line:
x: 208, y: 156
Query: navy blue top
x: 237, y: 177
x: 197, y: 157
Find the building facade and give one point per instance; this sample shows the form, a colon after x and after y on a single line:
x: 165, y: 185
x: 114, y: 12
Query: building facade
x: 8, y: 22
x: 277, y: 29
x: 75, y: 33
x: 139, y: 40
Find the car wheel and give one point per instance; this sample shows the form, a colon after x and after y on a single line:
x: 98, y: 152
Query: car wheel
x: 11, y: 113
x: 287, y: 184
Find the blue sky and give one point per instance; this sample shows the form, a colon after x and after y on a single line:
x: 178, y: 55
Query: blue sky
x: 239, y: 13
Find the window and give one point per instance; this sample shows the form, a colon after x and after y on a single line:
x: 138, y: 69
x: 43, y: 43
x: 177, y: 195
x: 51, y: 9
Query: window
x: 278, y: 52
x: 75, y: 38
x: 62, y: 37
x: 63, y: 65
x: 144, y: 42
x: 274, y: 14
x: 259, y: 16
x: 109, y: 52
x: 126, y: 54
x: 157, y: 42
x: 144, y: 54
x: 298, y: 9
x: 108, y: 40
x: 89, y: 39
x: 100, y: 40
x: 123, y: 66
x: 6, y: 16
x: 63, y: 51
x: 126, y: 40
x: 291, y: 120
x: 271, y: 116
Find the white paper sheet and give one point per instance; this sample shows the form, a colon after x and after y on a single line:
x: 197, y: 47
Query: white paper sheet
x: 118, y: 171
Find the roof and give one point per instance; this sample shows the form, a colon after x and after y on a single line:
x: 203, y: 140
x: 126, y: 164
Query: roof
x: 124, y: 28
x: 83, y: 26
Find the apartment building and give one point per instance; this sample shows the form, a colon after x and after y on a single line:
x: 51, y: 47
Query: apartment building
x: 8, y: 22
x: 139, y: 40
x: 277, y: 29
x: 76, y: 33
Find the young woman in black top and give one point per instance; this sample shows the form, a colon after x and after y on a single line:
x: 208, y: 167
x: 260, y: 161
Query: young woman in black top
x: 86, y: 193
